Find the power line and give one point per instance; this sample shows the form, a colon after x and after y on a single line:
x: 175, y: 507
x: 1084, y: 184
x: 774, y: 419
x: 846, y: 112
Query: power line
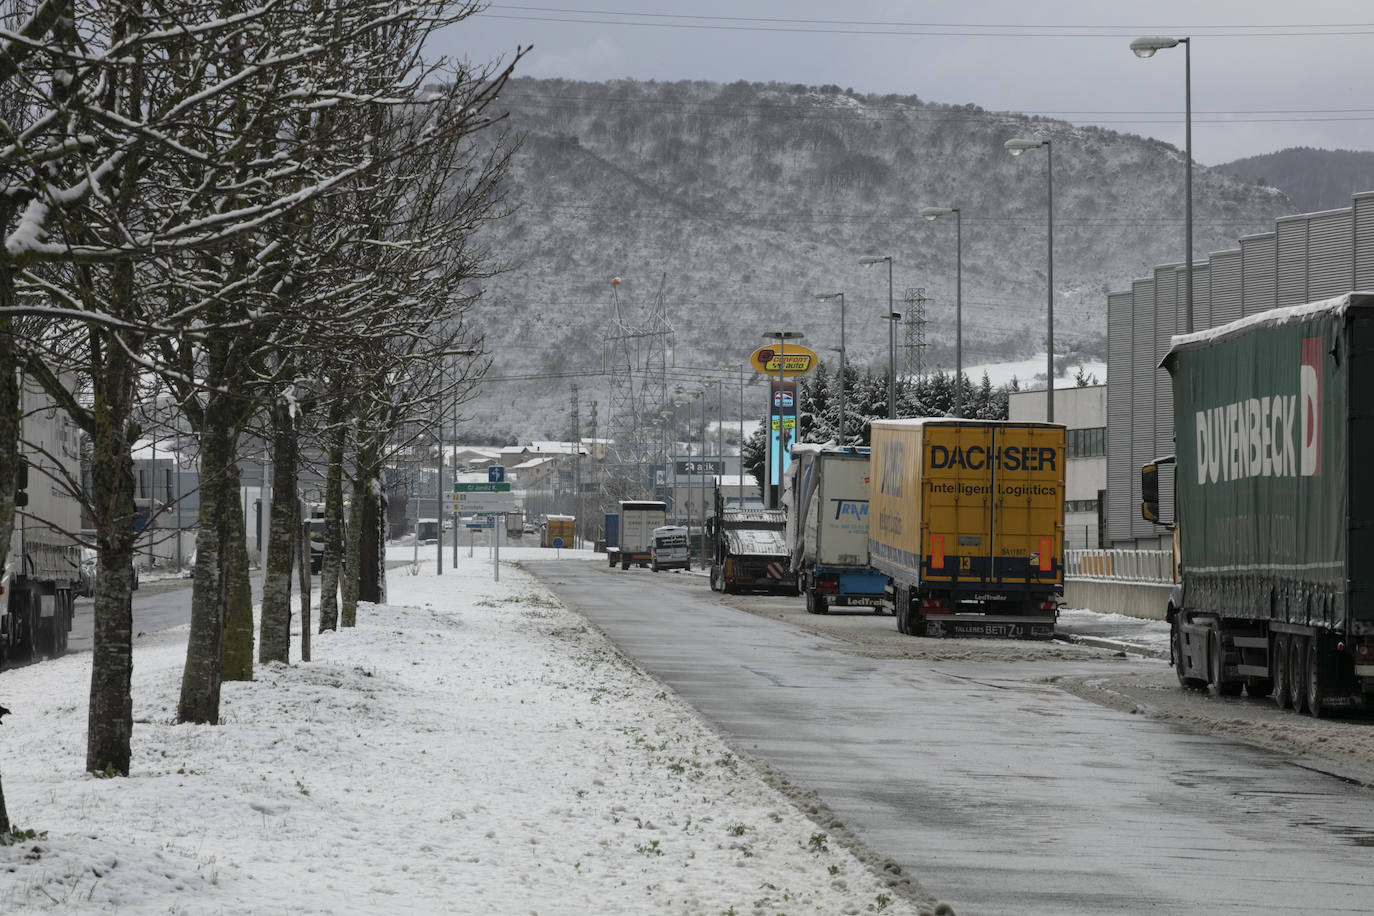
x: 913, y: 30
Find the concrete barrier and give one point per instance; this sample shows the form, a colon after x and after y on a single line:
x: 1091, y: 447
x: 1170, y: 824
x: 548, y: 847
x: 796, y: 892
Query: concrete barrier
x: 1147, y: 600
x: 1136, y: 583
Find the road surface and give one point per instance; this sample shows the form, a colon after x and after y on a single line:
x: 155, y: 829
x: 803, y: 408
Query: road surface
x: 992, y: 788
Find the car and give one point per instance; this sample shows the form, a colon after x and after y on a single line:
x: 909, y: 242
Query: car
x: 85, y: 583
x: 90, y: 572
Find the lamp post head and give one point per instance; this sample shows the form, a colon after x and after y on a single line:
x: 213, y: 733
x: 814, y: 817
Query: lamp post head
x: 1149, y: 44
x: 826, y: 297
x: 937, y: 212
x: 1018, y: 145
x: 783, y: 335
x: 892, y: 316
x: 869, y: 260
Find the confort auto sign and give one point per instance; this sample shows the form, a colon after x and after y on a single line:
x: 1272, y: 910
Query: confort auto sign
x: 798, y: 360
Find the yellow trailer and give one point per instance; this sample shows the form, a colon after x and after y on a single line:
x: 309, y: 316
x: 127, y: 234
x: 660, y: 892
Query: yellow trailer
x: 558, y: 531
x: 967, y: 519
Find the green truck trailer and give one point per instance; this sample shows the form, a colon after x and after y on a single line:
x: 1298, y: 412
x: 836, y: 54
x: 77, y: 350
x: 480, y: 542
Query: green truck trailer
x: 1274, y: 500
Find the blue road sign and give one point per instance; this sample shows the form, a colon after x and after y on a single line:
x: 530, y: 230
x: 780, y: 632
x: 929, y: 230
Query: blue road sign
x: 496, y: 474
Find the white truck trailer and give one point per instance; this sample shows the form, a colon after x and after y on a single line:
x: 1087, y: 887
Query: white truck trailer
x: 638, y: 519
x: 41, y: 572
x: 826, y: 497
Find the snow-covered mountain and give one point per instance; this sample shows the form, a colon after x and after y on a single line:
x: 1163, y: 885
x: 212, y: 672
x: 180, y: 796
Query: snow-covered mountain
x: 741, y: 202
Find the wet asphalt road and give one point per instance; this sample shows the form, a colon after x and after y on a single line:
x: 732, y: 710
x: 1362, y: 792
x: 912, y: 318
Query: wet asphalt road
x: 995, y: 791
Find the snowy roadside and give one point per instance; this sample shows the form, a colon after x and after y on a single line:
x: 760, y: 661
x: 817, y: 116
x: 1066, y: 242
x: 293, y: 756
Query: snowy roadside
x: 471, y: 747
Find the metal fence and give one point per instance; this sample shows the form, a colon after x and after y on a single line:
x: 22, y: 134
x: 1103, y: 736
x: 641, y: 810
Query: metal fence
x: 1154, y: 566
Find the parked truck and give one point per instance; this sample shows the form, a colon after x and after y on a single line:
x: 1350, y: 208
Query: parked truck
x: 967, y: 519
x: 515, y: 524
x: 558, y: 531
x: 612, y: 527
x: 638, y: 519
x: 748, y: 548
x: 41, y: 573
x: 826, y: 498
x: 1273, y: 427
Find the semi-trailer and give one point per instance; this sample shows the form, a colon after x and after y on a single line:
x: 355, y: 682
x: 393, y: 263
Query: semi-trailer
x: 40, y: 577
x: 1274, y: 509
x: 638, y: 519
x: 967, y: 519
x: 826, y: 497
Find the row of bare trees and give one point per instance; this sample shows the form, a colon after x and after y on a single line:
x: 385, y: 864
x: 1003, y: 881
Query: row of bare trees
x: 267, y: 209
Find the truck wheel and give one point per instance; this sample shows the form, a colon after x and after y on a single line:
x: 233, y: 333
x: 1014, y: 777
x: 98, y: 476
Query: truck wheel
x: 815, y: 604
x: 1297, y: 673
x: 625, y: 564
x: 611, y: 557
x: 1216, y: 669
x: 1279, y: 668
x: 1316, y: 696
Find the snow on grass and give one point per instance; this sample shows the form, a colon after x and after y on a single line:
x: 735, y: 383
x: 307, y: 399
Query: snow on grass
x: 472, y: 747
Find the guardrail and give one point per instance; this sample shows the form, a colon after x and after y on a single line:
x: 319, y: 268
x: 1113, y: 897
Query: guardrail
x: 1152, y: 566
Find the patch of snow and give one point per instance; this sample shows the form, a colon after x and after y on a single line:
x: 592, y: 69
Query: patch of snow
x: 472, y: 746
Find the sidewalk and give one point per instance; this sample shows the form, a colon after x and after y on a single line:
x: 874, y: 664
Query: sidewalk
x: 471, y: 747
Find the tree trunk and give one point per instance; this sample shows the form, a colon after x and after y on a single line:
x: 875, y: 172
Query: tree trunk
x: 274, y: 634
x: 114, y: 377
x: 333, y: 524
x: 353, y: 535
x: 372, y: 549
x: 9, y: 433
x: 303, y: 559
x: 200, y: 681
x: 238, y: 594
x: 380, y: 553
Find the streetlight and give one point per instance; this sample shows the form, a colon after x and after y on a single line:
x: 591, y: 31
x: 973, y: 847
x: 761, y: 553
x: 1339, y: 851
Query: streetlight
x: 1016, y: 146
x: 782, y: 337
x: 934, y: 213
x: 1146, y: 47
x: 826, y: 297
x: 869, y: 260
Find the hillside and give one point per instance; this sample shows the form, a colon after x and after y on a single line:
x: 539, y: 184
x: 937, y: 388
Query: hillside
x: 1314, y: 179
x: 745, y: 200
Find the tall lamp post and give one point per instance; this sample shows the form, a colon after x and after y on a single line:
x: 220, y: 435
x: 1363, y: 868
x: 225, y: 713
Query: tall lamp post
x: 869, y: 260
x: 782, y: 337
x: 934, y: 213
x: 1016, y: 146
x: 1146, y: 47
x: 826, y: 297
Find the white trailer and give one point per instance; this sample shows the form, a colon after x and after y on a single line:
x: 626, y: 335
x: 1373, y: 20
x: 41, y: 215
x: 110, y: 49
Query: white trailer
x: 638, y: 519
x: 41, y: 573
x: 826, y: 497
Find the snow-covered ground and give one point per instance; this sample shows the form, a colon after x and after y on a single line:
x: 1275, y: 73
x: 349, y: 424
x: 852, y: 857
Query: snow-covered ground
x: 470, y: 747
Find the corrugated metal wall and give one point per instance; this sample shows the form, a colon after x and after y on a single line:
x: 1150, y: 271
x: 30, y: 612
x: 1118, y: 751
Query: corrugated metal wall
x: 1120, y: 382
x: 1307, y: 257
x: 1257, y: 273
x: 1225, y: 286
x: 1363, y: 205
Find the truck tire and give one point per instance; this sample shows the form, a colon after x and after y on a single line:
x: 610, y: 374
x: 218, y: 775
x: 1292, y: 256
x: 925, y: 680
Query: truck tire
x: 815, y: 604
x: 1218, y: 686
x: 611, y: 557
x: 901, y: 599
x: 716, y: 584
x: 1297, y: 673
x: 1279, y: 668
x: 1316, y: 695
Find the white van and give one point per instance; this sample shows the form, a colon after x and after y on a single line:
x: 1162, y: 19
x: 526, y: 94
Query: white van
x: 669, y: 549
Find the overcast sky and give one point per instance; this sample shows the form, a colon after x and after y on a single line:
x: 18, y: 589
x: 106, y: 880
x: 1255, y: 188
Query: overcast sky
x: 1266, y: 74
